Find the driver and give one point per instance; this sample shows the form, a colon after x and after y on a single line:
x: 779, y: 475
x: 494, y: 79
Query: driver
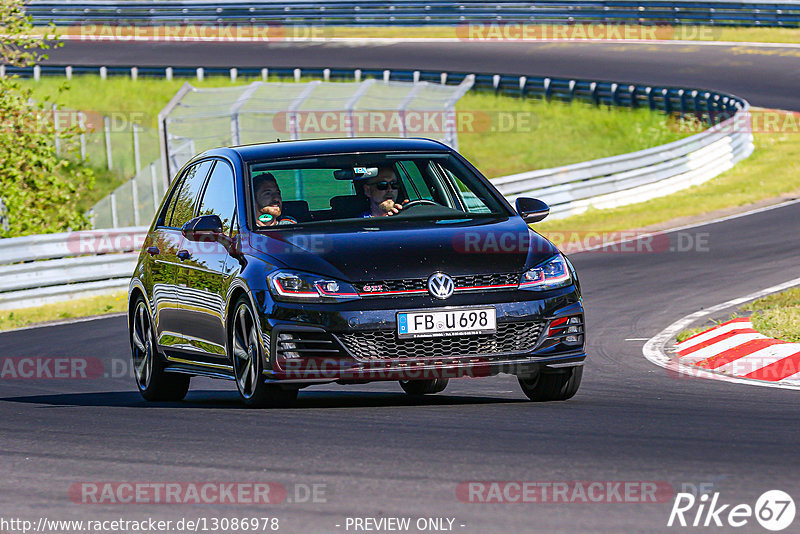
x: 269, y: 203
x: 382, y: 191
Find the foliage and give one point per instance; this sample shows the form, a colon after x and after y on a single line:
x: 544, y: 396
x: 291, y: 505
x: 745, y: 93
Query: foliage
x: 40, y: 187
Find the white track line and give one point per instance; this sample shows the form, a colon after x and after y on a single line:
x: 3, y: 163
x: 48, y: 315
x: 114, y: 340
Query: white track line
x: 655, y: 349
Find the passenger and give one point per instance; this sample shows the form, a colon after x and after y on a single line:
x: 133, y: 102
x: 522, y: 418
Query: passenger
x: 269, y: 203
x: 382, y: 191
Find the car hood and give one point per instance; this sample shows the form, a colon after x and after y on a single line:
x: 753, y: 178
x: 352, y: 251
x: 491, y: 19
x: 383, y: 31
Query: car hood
x: 405, y: 249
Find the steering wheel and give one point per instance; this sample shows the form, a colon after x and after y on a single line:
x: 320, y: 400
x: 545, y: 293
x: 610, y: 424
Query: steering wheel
x: 419, y: 202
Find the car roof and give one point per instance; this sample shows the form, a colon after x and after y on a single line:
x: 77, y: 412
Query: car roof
x: 319, y: 147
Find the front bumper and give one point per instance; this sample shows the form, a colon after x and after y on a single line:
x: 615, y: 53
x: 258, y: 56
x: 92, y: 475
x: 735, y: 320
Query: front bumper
x: 356, y: 341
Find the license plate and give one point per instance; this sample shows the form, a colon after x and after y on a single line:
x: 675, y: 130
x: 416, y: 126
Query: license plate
x: 446, y: 322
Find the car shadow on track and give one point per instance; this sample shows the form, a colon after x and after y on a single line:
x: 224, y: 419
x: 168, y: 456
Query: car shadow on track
x: 216, y: 399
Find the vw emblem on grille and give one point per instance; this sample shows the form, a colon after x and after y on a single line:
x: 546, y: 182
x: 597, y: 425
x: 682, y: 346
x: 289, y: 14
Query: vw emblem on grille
x: 440, y: 285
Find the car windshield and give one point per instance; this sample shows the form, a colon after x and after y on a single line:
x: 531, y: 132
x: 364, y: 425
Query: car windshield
x: 352, y: 187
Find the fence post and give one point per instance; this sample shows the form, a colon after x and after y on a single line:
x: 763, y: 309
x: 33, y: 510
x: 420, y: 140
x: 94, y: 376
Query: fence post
x: 135, y: 201
x: 55, y: 130
x: 82, y: 137
x: 114, y: 219
x: 107, y: 129
x: 137, y: 159
x: 154, y: 184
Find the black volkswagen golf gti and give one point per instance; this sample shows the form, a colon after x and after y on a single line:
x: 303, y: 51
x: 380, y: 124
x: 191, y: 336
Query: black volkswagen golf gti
x: 289, y: 264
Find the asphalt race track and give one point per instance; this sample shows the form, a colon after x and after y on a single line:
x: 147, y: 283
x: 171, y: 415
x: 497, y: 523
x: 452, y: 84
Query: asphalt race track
x: 376, y: 453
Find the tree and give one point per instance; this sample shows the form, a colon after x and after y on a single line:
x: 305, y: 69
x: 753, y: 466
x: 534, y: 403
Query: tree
x: 41, y: 188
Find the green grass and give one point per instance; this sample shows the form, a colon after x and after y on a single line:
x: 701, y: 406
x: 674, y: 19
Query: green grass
x: 771, y: 171
x: 504, y: 135
x: 776, y: 316
x: 79, y: 307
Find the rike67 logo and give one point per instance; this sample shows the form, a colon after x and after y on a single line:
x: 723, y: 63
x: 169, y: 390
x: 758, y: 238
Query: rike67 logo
x: 774, y: 510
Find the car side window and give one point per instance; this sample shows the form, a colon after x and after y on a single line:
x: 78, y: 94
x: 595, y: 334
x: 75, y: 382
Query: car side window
x: 169, y: 206
x: 219, y: 198
x: 186, y: 197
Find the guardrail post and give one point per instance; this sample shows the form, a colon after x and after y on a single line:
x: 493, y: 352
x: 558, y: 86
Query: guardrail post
x: 326, y: 75
x: 264, y: 74
x: 415, y: 76
x: 135, y: 201
x: 667, y: 101
x: 357, y: 75
x: 386, y: 75
x: 134, y: 73
x: 615, y: 94
x: 595, y: 93
x: 523, y: 89
x: 168, y: 74
x: 200, y: 73
x: 234, y: 73
x: 137, y: 159
x: 297, y: 74
x: 114, y: 219
x: 68, y: 72
x: 682, y: 100
x: 107, y: 130
x: 632, y: 95
x: 2, y: 71
x: 443, y: 78
x: 572, y: 84
x: 37, y: 72
x: 496, y: 83
x: 651, y: 101
x: 82, y: 136
x: 103, y: 73
x: 55, y: 130
x: 546, y: 84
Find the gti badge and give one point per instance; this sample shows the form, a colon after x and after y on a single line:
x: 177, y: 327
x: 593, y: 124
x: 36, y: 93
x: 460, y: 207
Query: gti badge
x: 440, y: 286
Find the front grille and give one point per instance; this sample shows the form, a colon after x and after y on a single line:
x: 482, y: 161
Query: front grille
x: 384, y: 344
x: 416, y: 284
x: 306, y: 344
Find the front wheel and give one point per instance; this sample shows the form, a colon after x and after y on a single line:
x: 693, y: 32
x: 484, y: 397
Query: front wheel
x: 424, y: 387
x: 248, y: 366
x: 559, y: 386
x: 153, y: 383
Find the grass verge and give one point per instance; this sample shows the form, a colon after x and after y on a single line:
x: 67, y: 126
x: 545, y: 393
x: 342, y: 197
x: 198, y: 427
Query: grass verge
x: 501, y: 135
x: 776, y: 316
x: 79, y: 307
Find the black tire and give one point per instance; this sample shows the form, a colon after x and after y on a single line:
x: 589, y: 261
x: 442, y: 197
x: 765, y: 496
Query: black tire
x: 148, y: 367
x: 560, y: 386
x: 247, y: 357
x: 424, y: 387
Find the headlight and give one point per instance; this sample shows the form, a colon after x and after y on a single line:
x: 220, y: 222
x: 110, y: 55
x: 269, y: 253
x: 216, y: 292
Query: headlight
x: 292, y: 286
x: 551, y: 274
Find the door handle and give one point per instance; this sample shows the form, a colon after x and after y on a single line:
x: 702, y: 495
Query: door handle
x: 184, y: 255
x: 153, y: 251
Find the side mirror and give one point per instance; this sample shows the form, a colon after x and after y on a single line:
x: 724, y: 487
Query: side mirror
x: 532, y: 209
x: 203, y: 228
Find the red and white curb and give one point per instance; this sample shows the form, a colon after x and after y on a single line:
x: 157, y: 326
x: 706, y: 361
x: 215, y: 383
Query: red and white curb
x: 731, y: 352
x: 734, y: 348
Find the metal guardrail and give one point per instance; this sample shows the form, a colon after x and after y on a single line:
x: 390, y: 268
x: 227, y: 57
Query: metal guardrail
x: 98, y: 261
x: 637, y: 176
x: 418, y: 12
x: 40, y: 269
